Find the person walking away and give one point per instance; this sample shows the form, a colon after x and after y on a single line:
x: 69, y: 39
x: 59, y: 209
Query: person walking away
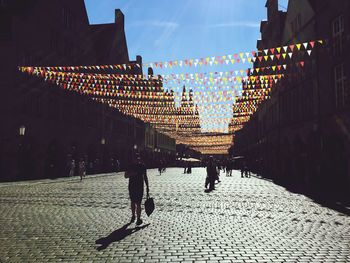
x: 137, y: 175
x: 82, y: 169
x: 72, y: 168
x: 117, y: 166
x: 211, y: 174
x: 217, y: 174
x: 160, y: 168
x: 229, y: 168
x: 164, y: 165
x: 189, y: 168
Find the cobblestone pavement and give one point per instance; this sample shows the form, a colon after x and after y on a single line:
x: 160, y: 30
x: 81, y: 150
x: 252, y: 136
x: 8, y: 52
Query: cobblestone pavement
x: 243, y: 220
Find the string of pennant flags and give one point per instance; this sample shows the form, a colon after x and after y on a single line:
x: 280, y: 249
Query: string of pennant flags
x: 159, y: 78
x: 242, y: 57
x: 217, y: 100
x: 38, y: 71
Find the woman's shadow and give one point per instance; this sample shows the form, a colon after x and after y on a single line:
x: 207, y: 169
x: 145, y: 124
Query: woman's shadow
x: 117, y: 235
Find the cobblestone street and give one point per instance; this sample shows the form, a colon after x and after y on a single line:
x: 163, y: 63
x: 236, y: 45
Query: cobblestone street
x: 243, y: 220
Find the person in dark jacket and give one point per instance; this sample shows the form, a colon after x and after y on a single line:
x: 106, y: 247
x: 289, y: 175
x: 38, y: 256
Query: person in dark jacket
x: 211, y: 174
x: 137, y: 175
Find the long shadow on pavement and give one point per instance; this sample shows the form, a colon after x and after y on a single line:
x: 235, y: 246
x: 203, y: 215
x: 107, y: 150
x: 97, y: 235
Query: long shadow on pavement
x: 335, y: 201
x: 117, y: 235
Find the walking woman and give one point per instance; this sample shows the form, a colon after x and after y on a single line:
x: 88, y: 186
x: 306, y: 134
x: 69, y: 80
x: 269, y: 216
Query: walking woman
x: 137, y: 175
x: 82, y: 169
x: 72, y: 168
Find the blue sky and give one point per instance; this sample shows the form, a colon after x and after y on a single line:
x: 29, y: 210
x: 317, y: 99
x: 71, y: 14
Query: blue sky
x: 162, y: 30
x: 166, y: 30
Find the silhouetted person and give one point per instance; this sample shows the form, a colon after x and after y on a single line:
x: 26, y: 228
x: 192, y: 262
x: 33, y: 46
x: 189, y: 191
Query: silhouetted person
x: 137, y: 175
x: 164, y: 162
x: 211, y: 174
x: 117, y: 165
x: 161, y: 167
x: 229, y: 167
x: 72, y: 168
x: 217, y: 178
x: 189, y: 169
x: 246, y: 171
x: 82, y: 169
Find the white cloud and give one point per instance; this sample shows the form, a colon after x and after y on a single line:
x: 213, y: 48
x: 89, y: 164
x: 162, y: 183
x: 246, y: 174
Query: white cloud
x: 235, y: 24
x: 154, y: 23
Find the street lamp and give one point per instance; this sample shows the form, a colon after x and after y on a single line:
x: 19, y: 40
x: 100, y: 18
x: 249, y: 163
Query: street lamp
x: 103, y: 141
x: 135, y: 147
x: 22, y: 130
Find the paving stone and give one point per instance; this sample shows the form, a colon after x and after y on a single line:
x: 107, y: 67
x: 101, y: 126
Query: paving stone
x: 243, y: 220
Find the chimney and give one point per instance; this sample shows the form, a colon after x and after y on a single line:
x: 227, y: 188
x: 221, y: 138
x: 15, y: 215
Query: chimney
x: 139, y: 60
x: 272, y: 9
x: 119, y: 17
x: 150, y: 71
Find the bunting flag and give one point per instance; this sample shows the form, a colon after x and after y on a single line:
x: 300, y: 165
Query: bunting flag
x: 273, y: 54
x: 219, y: 102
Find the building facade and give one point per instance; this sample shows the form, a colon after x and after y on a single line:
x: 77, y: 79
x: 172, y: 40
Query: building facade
x: 44, y: 127
x: 300, y: 136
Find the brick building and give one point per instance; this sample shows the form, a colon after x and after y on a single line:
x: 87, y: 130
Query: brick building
x: 43, y: 126
x: 301, y: 135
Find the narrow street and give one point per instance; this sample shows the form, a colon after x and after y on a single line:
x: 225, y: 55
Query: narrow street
x: 243, y: 220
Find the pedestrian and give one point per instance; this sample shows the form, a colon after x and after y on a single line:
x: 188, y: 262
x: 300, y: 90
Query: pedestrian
x: 164, y: 165
x: 68, y: 166
x: 229, y: 168
x: 246, y: 171
x: 117, y: 165
x: 243, y: 170
x: 72, y: 168
x: 137, y: 175
x: 217, y: 176
x: 189, y: 168
x: 211, y: 175
x: 160, y: 168
x: 82, y: 169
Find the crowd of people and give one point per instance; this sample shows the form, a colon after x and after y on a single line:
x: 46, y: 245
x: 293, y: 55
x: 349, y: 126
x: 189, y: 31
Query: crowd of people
x: 136, y: 173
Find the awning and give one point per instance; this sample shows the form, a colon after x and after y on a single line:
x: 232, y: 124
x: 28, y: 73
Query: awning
x: 189, y: 160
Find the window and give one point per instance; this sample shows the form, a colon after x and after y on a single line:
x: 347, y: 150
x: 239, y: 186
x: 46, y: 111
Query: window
x: 341, y: 92
x: 337, y: 34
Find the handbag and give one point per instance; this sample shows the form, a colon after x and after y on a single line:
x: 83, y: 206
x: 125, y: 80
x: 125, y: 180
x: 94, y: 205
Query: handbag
x: 149, y: 205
